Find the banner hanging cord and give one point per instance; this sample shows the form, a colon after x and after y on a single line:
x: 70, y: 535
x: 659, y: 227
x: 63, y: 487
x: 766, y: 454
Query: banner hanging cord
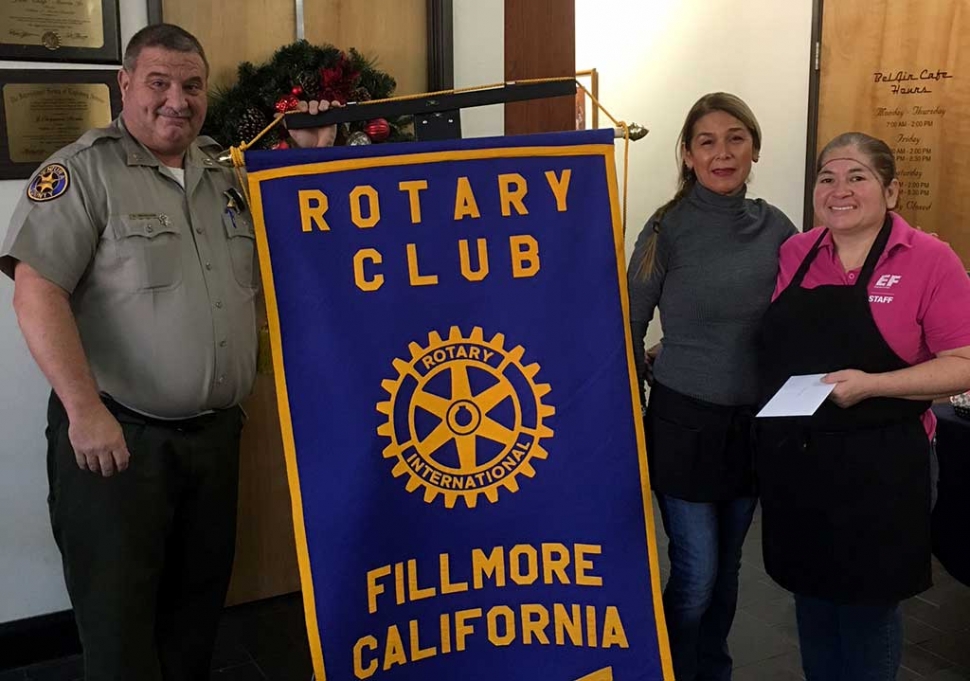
x: 626, y: 145
x: 237, y: 154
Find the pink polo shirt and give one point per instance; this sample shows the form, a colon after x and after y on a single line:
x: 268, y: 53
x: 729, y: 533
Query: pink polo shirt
x: 919, y: 293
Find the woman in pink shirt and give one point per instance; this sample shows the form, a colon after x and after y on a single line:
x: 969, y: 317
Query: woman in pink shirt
x: 884, y: 311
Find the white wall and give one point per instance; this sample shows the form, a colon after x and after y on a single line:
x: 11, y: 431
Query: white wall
x: 31, y: 581
x: 657, y: 57
x: 480, y: 60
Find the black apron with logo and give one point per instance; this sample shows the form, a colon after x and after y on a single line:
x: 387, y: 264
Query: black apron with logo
x: 845, y: 493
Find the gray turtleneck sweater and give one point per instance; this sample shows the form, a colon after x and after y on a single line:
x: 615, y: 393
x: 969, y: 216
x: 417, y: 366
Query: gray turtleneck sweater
x: 717, y: 259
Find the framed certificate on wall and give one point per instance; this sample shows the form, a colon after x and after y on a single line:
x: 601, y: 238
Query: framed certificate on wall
x: 44, y: 110
x: 60, y: 30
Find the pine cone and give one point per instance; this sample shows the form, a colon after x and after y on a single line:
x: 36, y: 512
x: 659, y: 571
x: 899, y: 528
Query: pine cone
x: 310, y: 82
x: 251, y: 123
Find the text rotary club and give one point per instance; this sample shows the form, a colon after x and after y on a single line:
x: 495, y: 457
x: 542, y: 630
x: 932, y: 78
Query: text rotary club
x: 365, y: 212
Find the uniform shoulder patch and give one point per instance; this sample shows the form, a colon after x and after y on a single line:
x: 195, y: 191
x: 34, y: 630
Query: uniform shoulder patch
x: 52, y: 181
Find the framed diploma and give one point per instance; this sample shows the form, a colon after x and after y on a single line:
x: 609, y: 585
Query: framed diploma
x: 60, y: 30
x: 42, y: 111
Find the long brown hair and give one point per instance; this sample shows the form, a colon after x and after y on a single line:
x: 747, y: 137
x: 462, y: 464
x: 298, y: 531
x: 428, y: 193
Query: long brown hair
x: 709, y: 103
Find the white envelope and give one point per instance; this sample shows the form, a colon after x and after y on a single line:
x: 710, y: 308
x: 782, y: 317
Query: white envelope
x: 800, y: 396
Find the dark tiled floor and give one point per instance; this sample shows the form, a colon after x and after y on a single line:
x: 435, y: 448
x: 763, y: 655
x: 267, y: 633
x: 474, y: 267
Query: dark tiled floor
x: 267, y: 641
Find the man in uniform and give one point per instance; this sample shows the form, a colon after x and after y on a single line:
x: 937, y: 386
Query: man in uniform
x: 135, y: 279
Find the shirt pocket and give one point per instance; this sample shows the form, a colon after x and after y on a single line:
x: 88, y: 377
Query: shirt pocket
x: 241, y: 240
x: 148, y: 250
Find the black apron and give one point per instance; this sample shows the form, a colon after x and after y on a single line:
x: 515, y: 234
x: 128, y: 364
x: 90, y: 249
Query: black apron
x: 698, y: 451
x: 845, y: 493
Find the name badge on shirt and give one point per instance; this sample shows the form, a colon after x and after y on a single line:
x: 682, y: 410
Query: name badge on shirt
x: 234, y: 201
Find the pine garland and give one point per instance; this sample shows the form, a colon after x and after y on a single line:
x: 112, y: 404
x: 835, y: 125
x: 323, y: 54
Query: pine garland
x: 299, y: 71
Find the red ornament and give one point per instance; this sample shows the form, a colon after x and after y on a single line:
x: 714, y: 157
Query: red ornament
x: 287, y: 103
x: 297, y: 91
x: 282, y: 144
x: 378, y: 129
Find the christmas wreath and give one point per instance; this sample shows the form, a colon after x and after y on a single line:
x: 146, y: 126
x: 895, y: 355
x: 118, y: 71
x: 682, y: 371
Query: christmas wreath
x: 301, y: 71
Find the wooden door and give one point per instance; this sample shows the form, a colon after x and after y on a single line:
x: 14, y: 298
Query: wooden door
x: 527, y: 56
x: 392, y: 32
x: 900, y: 70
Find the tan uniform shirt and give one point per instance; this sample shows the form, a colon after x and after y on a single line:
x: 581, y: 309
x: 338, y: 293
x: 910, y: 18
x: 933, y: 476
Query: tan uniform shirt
x: 162, y: 280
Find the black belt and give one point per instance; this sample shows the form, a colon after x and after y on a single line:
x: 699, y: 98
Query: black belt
x: 192, y: 424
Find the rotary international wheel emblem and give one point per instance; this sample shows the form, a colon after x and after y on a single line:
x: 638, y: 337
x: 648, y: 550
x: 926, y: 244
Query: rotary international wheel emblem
x: 465, y: 417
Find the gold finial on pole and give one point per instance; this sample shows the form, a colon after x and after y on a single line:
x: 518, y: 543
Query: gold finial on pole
x: 637, y: 132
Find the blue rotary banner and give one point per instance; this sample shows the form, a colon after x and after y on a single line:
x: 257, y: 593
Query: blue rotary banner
x: 459, y: 409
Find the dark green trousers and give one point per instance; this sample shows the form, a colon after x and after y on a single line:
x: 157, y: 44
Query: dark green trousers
x: 148, y: 552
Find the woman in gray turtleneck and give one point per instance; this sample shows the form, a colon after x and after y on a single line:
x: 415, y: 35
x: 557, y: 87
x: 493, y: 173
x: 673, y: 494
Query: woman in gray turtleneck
x: 708, y: 259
